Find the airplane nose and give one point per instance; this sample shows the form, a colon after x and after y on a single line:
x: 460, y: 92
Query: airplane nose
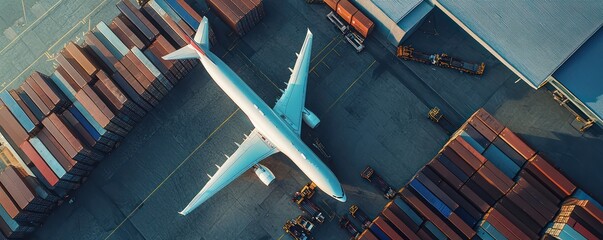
x: 343, y: 198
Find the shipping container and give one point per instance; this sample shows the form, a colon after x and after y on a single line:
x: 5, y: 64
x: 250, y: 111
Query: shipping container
x: 124, y: 26
x: 482, y: 129
x: 112, y: 90
x: 102, y: 53
x: 501, y: 161
x: 131, y: 91
x: 362, y: 24
x: 110, y: 40
x: 96, y: 107
x: 156, y: 51
x: 332, y: 4
x: 399, y: 224
x: 23, y: 195
x: 10, y: 228
x: 433, y: 231
x: 35, y: 99
x: 401, y: 206
x: 488, y: 184
x: 367, y: 235
x: 161, y: 18
x: 433, y: 188
x: 516, y: 215
x: 417, y: 204
x: 167, y: 48
x: 386, y: 228
x: 514, y: 141
x: 52, y: 162
x: 33, y: 117
x: 550, y: 177
x: 134, y: 77
x: 450, y: 157
x: 52, y: 91
x: 430, y: 198
x: 489, y: 120
x: 545, y: 210
x: 453, y: 168
x: 157, y: 62
x: 39, y: 163
x: 11, y: 125
x: 63, y: 144
x: 71, y: 68
x: 17, y: 112
x: 509, y: 152
x: 138, y: 19
x: 55, y: 147
x: 156, y: 87
x: 30, y: 104
x: 491, y: 231
x: 526, y: 207
x: 345, y: 9
x: 405, y: 218
x: 167, y: 85
x: 507, y: 228
x: 41, y: 94
x: 476, y: 139
x: 378, y: 232
x: 82, y: 58
x: 445, y: 173
x: 78, y: 144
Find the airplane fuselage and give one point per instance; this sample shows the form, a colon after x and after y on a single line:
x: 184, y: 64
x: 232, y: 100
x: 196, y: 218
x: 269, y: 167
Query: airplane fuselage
x: 270, y: 125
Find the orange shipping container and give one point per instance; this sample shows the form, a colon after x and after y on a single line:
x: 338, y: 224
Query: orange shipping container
x: 346, y: 10
x: 332, y: 4
x: 362, y: 24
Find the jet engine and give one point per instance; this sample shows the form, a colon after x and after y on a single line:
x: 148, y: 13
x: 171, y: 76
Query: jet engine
x: 310, y: 118
x: 265, y: 175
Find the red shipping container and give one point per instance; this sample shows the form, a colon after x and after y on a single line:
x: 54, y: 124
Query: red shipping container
x: 505, y: 226
x: 448, y: 176
x: 82, y: 58
x: 362, y: 24
x: 482, y: 129
x: 367, y: 235
x: 399, y: 224
x: 467, y: 152
x: 489, y: 120
x: 516, y: 143
x: 386, y: 228
x: 345, y: 9
x: 40, y: 164
x: 332, y: 4
x: 554, y: 176
x: 41, y: 94
x: 11, y: 126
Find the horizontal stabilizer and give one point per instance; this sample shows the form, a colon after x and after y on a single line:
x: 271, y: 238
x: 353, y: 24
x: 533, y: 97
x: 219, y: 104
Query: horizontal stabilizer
x: 185, y: 52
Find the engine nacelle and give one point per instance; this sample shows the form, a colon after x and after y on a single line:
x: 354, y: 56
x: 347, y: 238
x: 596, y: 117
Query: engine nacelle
x: 265, y: 175
x: 310, y: 118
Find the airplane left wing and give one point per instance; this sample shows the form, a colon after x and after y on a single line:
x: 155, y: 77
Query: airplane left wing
x: 291, y: 104
x: 253, y: 150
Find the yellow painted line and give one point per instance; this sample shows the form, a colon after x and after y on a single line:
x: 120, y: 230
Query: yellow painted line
x: 253, y: 65
x: 281, y: 237
x: 53, y: 45
x: 325, y: 47
x: 30, y: 26
x: 323, y: 57
x: 351, y: 85
x: 174, y: 171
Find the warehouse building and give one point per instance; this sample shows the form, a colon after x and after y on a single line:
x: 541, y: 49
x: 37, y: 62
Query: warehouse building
x: 539, y: 41
x: 545, y: 43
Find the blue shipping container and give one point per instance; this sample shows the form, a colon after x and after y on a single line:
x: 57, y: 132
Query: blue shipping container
x: 435, y: 231
x: 16, y: 110
x: 60, y: 81
x: 85, y: 123
x: 110, y: 40
x: 192, y: 22
x: 482, y: 234
x: 501, y: 161
x: 430, y: 198
x: 377, y: 231
x: 493, y: 231
x: 472, y: 142
x: 31, y: 105
x: 52, y: 162
x: 569, y: 233
x: 580, y: 194
x: 406, y: 209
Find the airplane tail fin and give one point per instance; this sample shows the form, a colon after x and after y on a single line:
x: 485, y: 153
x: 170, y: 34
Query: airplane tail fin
x: 201, y: 39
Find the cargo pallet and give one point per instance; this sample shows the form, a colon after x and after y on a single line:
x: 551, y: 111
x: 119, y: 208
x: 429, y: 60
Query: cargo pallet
x: 299, y: 228
x: 370, y: 175
x: 441, y: 60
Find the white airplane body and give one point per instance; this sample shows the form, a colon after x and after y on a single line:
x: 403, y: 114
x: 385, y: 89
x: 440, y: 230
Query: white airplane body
x: 275, y: 130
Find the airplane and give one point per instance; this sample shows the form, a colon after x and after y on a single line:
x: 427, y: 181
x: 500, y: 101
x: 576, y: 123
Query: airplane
x: 276, y: 129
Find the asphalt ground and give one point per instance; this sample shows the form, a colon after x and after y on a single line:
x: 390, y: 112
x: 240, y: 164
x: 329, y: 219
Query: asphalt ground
x: 372, y: 105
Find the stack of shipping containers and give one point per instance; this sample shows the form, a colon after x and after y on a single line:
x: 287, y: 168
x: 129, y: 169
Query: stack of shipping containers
x: 61, y: 125
x: 240, y: 15
x: 486, y: 183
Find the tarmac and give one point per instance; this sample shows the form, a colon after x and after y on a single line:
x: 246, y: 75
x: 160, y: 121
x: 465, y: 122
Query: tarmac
x: 372, y: 105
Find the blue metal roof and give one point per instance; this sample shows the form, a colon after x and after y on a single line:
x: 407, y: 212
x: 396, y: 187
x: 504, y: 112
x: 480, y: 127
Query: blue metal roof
x: 396, y: 9
x: 582, y: 73
x: 534, y: 36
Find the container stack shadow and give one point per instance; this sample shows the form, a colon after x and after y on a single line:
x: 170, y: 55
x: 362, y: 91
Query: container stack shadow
x: 58, y: 127
x: 486, y: 183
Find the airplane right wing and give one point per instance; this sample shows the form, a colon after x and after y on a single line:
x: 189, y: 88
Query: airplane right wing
x: 291, y: 104
x: 253, y: 150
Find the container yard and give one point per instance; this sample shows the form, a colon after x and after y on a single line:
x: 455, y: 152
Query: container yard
x: 107, y: 140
